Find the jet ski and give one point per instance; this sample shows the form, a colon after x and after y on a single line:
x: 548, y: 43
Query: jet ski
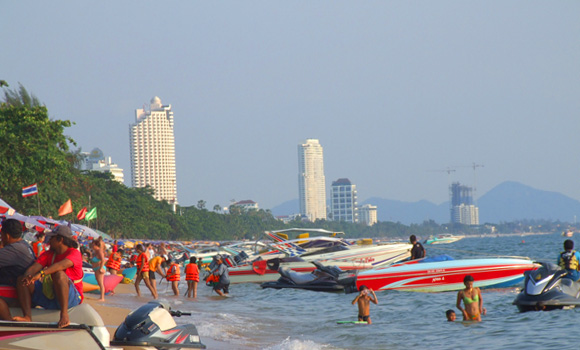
x: 547, y: 289
x: 323, y: 279
x: 152, y: 327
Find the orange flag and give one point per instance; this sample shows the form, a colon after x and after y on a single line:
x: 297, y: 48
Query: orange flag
x: 66, y: 208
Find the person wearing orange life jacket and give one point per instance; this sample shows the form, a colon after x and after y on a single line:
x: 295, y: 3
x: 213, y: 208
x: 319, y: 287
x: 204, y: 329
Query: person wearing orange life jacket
x: 173, y: 276
x: 156, y: 265
x: 114, y: 262
x: 38, y: 246
x: 192, y: 277
x: 142, y: 262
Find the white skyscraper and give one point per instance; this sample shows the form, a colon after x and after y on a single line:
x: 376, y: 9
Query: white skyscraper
x: 311, y: 181
x: 153, y: 151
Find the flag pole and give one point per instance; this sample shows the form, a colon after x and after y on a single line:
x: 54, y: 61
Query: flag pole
x: 38, y: 199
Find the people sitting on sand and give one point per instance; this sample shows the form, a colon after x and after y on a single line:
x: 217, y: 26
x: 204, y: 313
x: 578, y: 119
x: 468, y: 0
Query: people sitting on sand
x: 472, y: 300
x: 569, y: 260
x: 63, y: 264
x: 16, y: 256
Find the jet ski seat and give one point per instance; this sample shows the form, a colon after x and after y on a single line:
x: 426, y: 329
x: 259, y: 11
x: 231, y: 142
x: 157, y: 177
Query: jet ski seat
x: 81, y: 314
x: 297, y: 277
x: 570, y: 287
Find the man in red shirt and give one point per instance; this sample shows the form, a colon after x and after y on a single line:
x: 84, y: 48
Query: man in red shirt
x: 63, y: 262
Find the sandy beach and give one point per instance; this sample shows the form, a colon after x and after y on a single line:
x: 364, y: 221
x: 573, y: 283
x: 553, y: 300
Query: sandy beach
x: 112, y: 316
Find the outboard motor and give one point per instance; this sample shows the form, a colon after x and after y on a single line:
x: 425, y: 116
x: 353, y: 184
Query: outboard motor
x: 152, y: 326
x: 547, y: 288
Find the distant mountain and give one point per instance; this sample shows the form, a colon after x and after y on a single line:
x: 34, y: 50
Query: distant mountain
x: 508, y: 201
x: 409, y: 212
x: 287, y: 208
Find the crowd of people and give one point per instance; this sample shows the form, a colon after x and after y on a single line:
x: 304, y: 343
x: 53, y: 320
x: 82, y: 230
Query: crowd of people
x: 49, y: 271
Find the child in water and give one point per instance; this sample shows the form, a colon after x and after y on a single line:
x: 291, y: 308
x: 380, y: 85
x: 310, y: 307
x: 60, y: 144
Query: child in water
x: 450, y: 315
x: 365, y: 296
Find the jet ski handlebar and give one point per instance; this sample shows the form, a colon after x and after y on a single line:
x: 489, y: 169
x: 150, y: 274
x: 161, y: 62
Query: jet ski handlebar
x: 177, y: 313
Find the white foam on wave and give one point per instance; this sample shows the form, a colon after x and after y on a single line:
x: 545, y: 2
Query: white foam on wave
x: 225, y: 327
x: 296, y: 344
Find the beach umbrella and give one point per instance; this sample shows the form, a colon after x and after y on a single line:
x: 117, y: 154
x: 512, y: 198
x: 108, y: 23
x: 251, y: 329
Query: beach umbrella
x: 28, y: 221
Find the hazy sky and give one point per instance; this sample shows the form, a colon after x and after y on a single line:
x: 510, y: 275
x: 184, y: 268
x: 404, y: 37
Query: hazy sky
x: 394, y: 90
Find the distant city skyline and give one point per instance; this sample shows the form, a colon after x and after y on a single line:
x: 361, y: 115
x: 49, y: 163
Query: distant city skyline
x: 395, y: 92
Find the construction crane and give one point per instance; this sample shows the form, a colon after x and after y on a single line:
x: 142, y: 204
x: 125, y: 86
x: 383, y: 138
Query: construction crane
x: 474, y: 166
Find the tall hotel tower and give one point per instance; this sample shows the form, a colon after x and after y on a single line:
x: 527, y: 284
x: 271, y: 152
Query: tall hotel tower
x: 153, y: 151
x: 311, y: 181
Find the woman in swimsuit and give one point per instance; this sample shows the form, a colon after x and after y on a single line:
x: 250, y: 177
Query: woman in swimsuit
x: 98, y: 262
x: 471, y: 297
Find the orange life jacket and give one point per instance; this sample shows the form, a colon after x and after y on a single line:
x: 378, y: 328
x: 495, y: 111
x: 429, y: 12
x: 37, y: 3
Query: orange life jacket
x: 114, y: 261
x: 173, y: 273
x: 191, y: 272
x: 142, y: 260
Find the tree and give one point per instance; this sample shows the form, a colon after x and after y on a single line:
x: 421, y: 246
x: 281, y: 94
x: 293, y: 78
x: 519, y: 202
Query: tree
x: 216, y: 208
x: 34, y: 150
x: 201, y: 204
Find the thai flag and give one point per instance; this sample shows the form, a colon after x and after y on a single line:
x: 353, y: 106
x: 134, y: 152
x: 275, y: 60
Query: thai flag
x: 29, y: 191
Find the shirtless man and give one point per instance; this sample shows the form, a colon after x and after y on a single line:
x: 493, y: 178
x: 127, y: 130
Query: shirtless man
x: 364, y: 298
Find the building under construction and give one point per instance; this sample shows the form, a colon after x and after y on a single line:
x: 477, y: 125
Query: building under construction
x: 462, y: 209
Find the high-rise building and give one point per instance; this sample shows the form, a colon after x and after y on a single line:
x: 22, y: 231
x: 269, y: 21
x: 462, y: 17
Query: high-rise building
x: 153, y: 150
x: 463, y: 211
x: 343, y: 204
x: 367, y: 214
x: 311, y: 180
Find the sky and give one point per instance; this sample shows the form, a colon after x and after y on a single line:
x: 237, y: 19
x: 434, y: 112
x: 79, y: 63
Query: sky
x: 397, y: 92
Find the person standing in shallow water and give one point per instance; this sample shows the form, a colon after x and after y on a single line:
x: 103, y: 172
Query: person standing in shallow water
x: 364, y: 299
x: 417, y: 252
x: 472, y: 300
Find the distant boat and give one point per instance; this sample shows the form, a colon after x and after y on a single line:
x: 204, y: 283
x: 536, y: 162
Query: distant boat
x: 443, y: 239
x: 568, y: 233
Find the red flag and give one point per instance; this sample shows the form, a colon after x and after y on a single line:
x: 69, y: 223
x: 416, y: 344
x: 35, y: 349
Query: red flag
x: 66, y: 208
x: 81, y: 214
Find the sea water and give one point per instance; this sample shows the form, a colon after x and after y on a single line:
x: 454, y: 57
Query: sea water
x: 255, y: 318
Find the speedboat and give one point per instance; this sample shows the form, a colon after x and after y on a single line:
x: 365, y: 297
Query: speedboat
x: 322, y: 279
x: 547, y: 289
x: 327, y: 250
x: 426, y: 275
x: 260, y: 271
x: 443, y: 239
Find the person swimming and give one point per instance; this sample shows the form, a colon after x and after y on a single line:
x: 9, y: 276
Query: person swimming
x: 472, y: 300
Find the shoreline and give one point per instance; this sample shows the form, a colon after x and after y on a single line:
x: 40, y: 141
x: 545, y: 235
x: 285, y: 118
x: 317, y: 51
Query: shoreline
x: 113, y: 315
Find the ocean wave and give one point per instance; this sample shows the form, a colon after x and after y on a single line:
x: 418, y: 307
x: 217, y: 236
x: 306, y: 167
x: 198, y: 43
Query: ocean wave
x: 296, y: 344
